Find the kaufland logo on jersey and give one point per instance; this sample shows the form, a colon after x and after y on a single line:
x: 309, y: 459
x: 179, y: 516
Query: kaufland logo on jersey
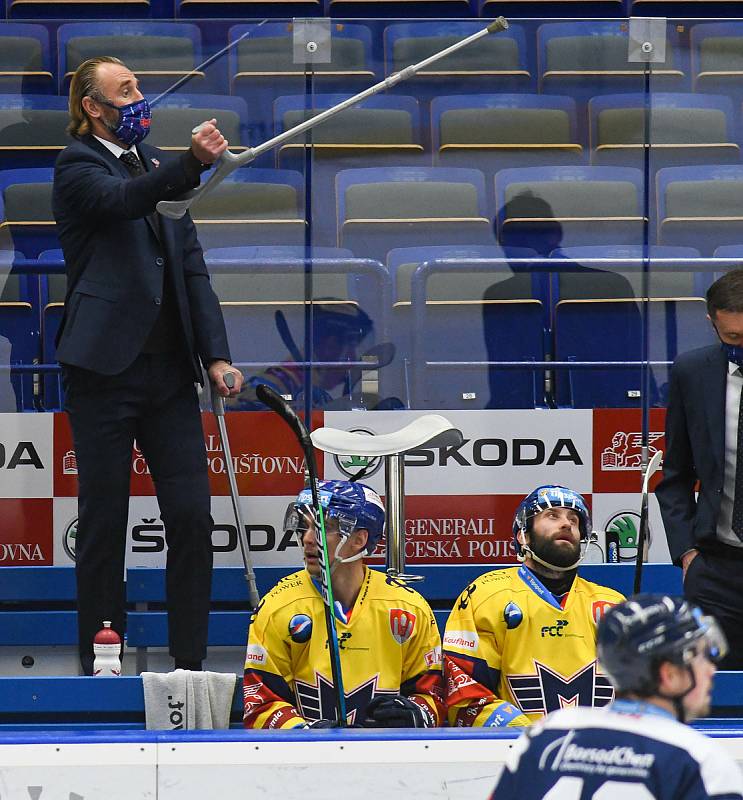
x: 625, y: 450
x: 464, y: 640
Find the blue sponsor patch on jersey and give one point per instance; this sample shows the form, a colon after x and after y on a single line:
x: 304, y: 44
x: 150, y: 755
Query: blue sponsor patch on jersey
x: 300, y: 628
x: 513, y: 616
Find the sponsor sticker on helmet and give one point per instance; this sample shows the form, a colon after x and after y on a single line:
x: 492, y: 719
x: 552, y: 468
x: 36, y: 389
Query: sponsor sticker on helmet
x: 372, y: 497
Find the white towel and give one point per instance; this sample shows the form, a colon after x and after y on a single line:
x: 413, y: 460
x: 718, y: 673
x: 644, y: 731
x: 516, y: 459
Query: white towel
x: 185, y: 700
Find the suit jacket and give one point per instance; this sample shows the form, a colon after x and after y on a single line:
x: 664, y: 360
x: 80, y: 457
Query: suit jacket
x: 115, y: 258
x: 695, y: 449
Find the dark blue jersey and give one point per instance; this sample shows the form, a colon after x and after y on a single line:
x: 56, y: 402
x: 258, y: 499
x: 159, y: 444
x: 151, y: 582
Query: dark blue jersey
x: 605, y: 754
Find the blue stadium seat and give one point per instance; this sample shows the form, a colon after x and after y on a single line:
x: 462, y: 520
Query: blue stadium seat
x: 32, y: 130
x: 159, y: 53
x: 599, y: 315
x: 89, y: 9
x: 380, y: 209
x: 581, y: 205
x: 457, y: 304
x: 355, y: 9
x: 248, y: 9
x: 175, y: 115
x: 262, y: 67
x: 26, y: 210
x: 552, y: 8
x: 264, y: 293
x: 584, y: 58
x: 687, y: 9
x: 717, y: 57
x: 51, y: 302
x: 382, y: 131
x: 501, y: 131
x: 685, y: 129
x: 700, y: 206
x: 25, y: 59
x: 502, y: 58
x: 253, y: 206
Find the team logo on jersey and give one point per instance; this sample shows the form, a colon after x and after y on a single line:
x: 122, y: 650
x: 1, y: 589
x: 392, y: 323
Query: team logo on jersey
x: 599, y: 608
x: 513, y: 616
x: 548, y: 690
x: 317, y: 701
x: 300, y: 628
x: 402, y: 624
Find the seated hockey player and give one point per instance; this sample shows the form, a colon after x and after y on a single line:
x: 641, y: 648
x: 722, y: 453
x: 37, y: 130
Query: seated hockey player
x: 660, y: 653
x: 521, y: 641
x: 390, y: 648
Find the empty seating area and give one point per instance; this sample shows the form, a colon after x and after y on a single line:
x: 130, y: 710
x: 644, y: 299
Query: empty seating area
x: 524, y: 193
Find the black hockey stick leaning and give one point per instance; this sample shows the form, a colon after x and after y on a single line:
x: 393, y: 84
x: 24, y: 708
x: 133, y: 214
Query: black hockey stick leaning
x: 642, y: 534
x: 218, y: 408
x: 277, y: 403
x: 228, y: 162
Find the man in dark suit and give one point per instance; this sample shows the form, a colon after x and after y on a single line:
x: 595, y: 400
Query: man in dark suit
x: 703, y: 439
x: 140, y: 321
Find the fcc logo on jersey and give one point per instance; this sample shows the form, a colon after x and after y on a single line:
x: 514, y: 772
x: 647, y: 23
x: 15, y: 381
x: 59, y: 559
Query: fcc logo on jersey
x: 402, y: 624
x: 513, y: 616
x: 300, y: 628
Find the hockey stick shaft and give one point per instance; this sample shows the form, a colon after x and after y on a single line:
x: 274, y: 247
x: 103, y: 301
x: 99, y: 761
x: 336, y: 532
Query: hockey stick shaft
x: 277, y: 403
x: 642, y: 534
x: 218, y: 408
x: 229, y: 162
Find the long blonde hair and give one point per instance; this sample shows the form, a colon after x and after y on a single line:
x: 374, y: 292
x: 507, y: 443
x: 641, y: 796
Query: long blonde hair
x: 85, y: 84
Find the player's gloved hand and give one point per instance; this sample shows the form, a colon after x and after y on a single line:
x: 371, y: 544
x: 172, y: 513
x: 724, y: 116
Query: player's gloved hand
x: 506, y: 715
x: 396, y: 711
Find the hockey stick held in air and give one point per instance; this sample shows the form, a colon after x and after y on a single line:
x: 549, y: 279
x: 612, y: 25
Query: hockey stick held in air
x: 229, y: 162
x: 642, y: 534
x: 277, y: 403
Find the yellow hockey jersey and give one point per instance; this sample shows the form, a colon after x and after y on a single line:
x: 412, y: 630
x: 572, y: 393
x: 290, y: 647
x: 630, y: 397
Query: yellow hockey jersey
x: 389, y: 644
x: 513, y: 653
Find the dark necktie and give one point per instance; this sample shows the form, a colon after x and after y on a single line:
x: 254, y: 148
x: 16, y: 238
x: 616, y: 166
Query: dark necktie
x: 132, y: 163
x: 738, y: 497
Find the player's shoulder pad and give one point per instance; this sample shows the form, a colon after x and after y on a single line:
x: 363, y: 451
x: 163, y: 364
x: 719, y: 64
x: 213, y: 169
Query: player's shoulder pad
x: 488, y: 585
x: 384, y: 586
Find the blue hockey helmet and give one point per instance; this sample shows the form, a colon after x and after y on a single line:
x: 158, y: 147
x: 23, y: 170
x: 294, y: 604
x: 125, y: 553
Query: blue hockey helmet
x: 353, y: 505
x: 544, y: 497
x: 636, y: 636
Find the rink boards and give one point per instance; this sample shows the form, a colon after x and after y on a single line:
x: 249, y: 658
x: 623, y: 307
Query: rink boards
x: 291, y: 765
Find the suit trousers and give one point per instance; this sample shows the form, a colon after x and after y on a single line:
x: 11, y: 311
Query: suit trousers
x: 713, y: 582
x: 153, y: 401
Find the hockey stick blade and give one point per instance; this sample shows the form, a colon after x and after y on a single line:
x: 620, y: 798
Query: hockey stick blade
x: 276, y: 403
x: 652, y: 468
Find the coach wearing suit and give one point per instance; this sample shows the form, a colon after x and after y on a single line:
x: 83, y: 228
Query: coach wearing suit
x: 140, y: 321
x: 704, y: 435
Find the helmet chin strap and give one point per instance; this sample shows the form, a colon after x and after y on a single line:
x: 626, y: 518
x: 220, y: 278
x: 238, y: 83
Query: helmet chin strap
x: 678, y: 699
x: 527, y: 552
x: 339, y: 559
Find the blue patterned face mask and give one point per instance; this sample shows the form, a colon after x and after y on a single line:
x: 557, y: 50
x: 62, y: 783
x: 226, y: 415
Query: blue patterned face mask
x: 134, y: 121
x: 734, y: 352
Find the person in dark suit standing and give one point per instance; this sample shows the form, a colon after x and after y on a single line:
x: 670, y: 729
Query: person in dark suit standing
x: 140, y: 320
x: 704, y: 430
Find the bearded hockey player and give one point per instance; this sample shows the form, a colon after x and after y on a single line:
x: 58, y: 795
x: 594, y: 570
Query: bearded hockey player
x: 521, y: 641
x: 390, y: 647
x: 660, y: 653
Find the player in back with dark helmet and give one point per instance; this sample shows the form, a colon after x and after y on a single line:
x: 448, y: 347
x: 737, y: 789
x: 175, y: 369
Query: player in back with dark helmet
x: 660, y: 653
x: 390, y: 647
x: 521, y: 641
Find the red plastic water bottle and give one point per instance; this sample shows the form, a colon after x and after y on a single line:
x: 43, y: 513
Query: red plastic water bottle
x: 107, y: 650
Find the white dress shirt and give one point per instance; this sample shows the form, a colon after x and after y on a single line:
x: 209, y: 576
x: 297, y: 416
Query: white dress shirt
x: 732, y: 406
x: 116, y: 149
